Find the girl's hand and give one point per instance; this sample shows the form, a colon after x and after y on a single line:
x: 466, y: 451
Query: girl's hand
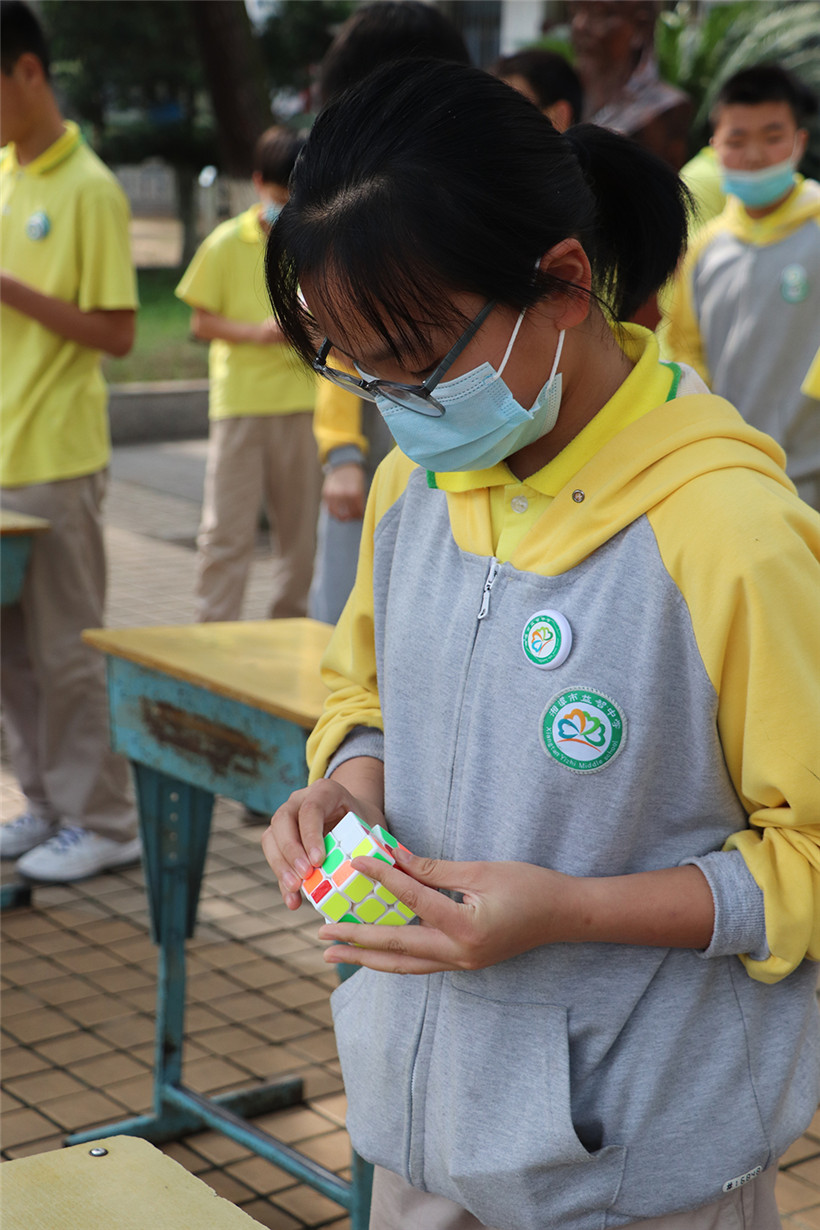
x: 293, y: 843
x: 506, y: 909
x: 509, y: 908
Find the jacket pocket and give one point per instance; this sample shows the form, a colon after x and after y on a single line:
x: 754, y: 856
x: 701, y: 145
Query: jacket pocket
x: 499, y: 1137
x: 377, y: 1018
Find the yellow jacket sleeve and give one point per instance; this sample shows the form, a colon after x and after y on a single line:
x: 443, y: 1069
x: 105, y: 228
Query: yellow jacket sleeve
x: 681, y: 331
x: 811, y: 385
x: 349, y: 663
x: 753, y: 598
x: 337, y: 420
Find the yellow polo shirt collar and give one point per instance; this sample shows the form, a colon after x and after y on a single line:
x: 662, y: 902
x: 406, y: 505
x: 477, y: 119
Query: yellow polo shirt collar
x: 50, y: 158
x: 514, y: 506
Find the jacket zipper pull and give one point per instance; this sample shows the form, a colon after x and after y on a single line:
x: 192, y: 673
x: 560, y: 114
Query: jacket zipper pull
x: 488, y: 584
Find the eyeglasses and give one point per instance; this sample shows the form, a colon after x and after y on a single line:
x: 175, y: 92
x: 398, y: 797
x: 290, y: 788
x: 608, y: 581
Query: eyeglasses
x: 418, y: 397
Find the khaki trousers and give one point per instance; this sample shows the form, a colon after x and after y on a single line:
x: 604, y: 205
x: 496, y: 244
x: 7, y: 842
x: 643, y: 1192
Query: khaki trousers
x: 398, y: 1206
x: 53, y: 686
x: 256, y: 460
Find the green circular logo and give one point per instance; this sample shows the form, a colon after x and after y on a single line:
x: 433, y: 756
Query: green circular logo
x: 582, y: 729
x: 547, y: 639
x: 794, y: 284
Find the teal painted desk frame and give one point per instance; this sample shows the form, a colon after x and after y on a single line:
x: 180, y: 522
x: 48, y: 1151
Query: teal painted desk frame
x: 15, y: 549
x: 187, y: 744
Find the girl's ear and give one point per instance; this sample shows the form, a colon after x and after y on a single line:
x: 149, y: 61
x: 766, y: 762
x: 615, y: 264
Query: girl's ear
x: 568, y: 261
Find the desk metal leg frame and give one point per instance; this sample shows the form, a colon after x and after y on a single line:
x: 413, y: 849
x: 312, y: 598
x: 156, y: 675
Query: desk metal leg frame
x: 175, y: 822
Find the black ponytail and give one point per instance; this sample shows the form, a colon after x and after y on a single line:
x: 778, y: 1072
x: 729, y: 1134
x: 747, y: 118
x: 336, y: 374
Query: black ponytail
x: 640, y: 219
x: 430, y: 178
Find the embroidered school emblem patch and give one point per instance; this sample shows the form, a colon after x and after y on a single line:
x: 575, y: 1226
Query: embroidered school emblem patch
x: 582, y: 729
x: 546, y: 639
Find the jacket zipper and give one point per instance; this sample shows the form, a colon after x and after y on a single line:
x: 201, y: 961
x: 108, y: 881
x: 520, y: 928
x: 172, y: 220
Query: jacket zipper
x: 416, y: 1171
x: 489, y: 582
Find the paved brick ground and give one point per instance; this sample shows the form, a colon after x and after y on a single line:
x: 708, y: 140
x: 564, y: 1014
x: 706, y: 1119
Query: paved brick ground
x: 78, y: 967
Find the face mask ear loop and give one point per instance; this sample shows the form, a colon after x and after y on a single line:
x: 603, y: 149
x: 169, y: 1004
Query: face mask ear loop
x: 561, y: 337
x: 508, y: 351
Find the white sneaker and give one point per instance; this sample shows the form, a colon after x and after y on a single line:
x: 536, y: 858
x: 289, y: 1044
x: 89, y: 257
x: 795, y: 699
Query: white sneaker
x: 24, y: 833
x: 74, y: 853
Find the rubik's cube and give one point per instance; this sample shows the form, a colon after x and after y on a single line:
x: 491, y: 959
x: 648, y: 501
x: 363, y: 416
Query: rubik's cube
x: 343, y: 894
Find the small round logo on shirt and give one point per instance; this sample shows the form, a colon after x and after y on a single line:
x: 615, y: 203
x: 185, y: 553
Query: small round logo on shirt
x: 794, y: 284
x: 547, y: 639
x: 583, y: 730
x: 38, y: 225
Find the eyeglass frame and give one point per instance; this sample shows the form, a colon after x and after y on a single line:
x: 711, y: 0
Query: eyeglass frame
x: 424, y: 391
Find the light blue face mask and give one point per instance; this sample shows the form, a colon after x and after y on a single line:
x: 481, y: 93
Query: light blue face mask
x: 271, y: 212
x: 757, y: 189
x: 482, y: 423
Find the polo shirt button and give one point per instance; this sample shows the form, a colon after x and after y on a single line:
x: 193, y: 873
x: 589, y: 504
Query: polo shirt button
x: 519, y: 503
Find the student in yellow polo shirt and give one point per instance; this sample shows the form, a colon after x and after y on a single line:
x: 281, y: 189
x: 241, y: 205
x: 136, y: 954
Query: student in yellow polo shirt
x: 261, y: 407
x: 67, y: 294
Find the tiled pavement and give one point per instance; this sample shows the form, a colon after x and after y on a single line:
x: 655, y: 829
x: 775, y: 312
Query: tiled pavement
x: 78, y: 967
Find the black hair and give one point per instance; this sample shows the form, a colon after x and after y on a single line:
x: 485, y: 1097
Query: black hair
x: 275, y: 154
x: 21, y: 32
x: 388, y: 30
x: 432, y: 178
x: 767, y: 83
x: 550, y: 75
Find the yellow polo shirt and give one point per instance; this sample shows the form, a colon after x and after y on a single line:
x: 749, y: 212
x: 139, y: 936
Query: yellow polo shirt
x: 227, y: 277
x: 64, y: 231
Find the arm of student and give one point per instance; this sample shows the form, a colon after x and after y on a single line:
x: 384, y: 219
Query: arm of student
x: 337, y: 421
x: 343, y: 491
x: 109, y: 330
x: 210, y: 326
x: 508, y: 908
x: 757, y: 635
x: 682, y: 339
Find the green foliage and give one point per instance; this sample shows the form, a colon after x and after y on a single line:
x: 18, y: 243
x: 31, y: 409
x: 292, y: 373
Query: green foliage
x: 699, y: 52
x: 297, y: 35
x: 164, y: 348
x: 112, y: 57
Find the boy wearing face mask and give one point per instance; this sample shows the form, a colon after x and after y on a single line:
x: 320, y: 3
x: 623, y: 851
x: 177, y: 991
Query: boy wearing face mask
x: 746, y: 303
x: 261, y: 448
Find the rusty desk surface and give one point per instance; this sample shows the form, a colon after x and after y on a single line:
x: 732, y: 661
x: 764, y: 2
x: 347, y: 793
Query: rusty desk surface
x: 205, y: 710
x: 122, y: 1182
x: 270, y: 665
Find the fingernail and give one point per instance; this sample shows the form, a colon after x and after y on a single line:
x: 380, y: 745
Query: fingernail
x: 291, y: 882
x: 303, y: 867
x: 317, y: 856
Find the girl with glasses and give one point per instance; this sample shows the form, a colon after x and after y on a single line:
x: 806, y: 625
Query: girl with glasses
x: 566, y: 680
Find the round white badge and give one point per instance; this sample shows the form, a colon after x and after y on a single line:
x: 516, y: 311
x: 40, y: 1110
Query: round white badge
x: 38, y: 225
x: 546, y: 639
x: 583, y: 729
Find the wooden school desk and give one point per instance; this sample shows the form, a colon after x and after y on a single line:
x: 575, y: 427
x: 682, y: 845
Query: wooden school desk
x: 115, y: 1184
x: 204, y: 710
x: 17, y: 533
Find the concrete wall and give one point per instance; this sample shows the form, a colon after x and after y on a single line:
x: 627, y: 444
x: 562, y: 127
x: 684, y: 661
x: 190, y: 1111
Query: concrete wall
x: 165, y: 410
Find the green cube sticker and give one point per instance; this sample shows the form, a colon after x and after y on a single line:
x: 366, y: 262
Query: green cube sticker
x: 333, y: 860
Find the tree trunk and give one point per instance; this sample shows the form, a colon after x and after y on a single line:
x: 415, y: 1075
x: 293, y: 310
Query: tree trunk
x: 236, y: 79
